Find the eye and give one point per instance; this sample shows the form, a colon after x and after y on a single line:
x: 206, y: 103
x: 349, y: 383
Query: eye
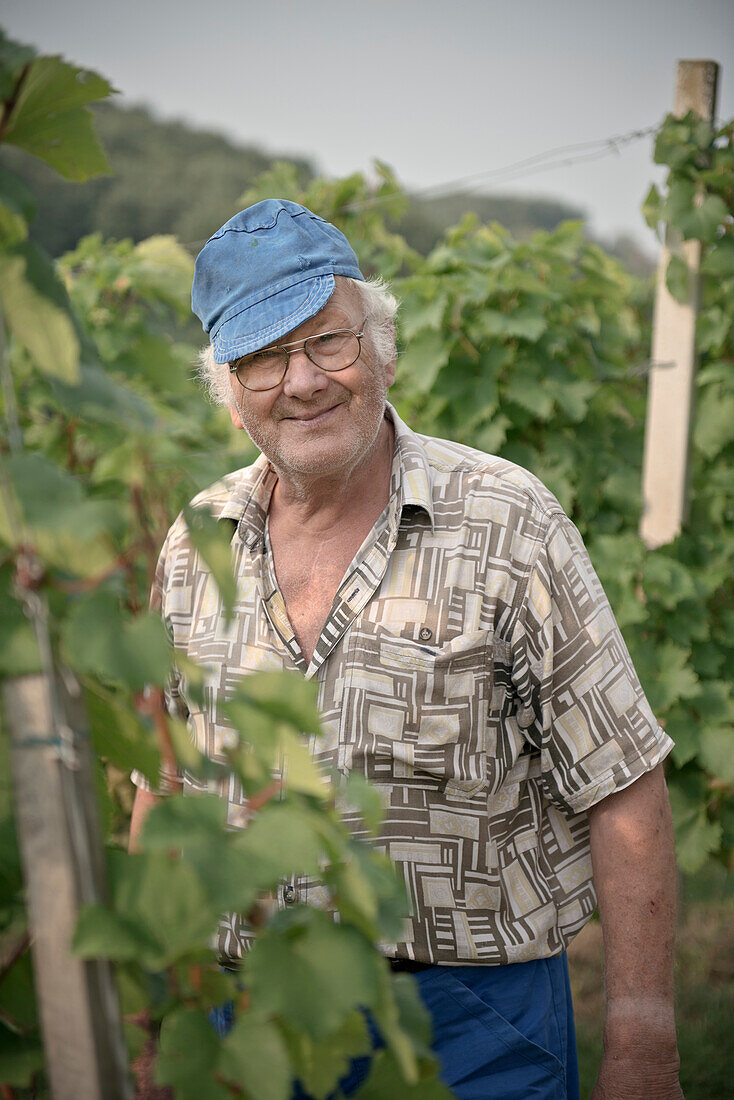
x: 260, y: 359
x: 330, y: 340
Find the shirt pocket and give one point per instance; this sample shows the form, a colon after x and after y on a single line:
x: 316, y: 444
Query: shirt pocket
x: 416, y: 714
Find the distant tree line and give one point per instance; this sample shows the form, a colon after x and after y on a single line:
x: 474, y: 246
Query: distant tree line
x: 169, y: 177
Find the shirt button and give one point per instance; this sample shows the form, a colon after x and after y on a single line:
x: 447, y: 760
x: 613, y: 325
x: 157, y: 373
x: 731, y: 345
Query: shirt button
x: 425, y: 634
x: 289, y: 894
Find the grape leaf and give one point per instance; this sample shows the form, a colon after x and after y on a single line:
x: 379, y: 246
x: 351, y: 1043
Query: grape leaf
x: 50, y: 120
x: 37, y: 311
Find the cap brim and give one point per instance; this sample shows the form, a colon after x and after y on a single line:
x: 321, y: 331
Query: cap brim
x: 274, y: 316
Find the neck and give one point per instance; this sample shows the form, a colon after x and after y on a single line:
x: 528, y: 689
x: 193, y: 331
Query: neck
x: 322, y: 503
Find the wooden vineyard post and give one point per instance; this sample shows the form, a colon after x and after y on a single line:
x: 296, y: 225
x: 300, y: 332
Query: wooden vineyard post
x: 61, y: 852
x: 673, y: 373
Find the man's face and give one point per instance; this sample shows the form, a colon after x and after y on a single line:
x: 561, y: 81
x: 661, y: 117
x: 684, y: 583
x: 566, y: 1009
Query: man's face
x: 316, y: 424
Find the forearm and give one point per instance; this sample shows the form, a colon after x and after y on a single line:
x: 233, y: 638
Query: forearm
x: 634, y: 874
x: 143, y: 804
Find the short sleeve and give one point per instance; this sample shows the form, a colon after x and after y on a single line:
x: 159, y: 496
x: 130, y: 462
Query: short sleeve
x: 581, y: 702
x: 175, y: 704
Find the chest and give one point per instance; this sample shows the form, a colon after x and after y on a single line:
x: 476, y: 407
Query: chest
x: 413, y: 681
x: 309, y: 573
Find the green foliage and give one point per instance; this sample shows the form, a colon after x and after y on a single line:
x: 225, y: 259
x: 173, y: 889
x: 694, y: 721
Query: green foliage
x: 20, y: 1058
x: 36, y: 311
x: 306, y: 975
x: 321, y: 1062
x: 49, y: 117
x: 312, y: 972
x: 135, y: 653
x: 45, y: 113
x: 16, y: 209
x: 189, y: 1056
x: 255, y: 1056
x: 533, y: 347
x: 118, y: 734
x: 694, y: 605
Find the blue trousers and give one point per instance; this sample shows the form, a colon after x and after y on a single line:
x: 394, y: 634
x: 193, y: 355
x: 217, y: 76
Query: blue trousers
x: 499, y: 1032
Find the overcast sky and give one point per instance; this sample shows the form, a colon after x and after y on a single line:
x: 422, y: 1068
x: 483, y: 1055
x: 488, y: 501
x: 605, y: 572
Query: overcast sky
x: 440, y: 90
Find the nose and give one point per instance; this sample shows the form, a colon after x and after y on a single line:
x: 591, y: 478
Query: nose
x: 303, y: 379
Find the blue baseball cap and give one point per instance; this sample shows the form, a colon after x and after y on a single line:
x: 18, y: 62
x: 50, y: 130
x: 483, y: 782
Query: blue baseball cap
x: 266, y: 271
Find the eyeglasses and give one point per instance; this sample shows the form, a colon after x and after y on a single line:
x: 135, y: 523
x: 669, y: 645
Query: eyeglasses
x: 330, y: 351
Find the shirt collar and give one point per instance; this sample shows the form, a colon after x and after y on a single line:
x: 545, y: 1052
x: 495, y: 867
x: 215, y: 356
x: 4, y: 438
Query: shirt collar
x: 249, y: 500
x: 411, y: 471
x: 411, y: 484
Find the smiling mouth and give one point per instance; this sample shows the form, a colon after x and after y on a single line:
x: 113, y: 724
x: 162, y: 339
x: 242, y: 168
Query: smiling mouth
x: 313, y: 418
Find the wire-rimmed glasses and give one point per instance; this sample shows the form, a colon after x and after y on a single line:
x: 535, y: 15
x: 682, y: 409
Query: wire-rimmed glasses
x: 330, y: 351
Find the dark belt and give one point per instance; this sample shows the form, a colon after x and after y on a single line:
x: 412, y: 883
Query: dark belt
x: 408, y: 966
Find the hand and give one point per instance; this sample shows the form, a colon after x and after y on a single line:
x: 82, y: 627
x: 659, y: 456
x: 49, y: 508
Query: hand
x: 633, y: 1078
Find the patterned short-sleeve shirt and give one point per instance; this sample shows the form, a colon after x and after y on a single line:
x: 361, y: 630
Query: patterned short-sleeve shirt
x: 470, y: 667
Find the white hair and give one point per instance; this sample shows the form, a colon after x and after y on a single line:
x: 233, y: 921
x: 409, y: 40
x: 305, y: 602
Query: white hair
x: 380, y: 306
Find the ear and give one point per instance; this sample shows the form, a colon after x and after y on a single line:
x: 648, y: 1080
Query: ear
x: 236, y: 418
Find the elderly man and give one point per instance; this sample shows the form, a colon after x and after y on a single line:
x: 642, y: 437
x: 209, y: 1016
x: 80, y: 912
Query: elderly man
x: 468, y: 663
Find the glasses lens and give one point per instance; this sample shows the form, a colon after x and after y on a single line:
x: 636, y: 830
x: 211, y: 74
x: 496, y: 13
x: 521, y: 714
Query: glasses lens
x: 333, y: 350
x: 263, y: 370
